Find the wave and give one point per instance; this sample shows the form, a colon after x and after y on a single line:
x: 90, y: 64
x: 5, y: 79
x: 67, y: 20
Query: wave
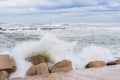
x: 92, y: 53
x: 59, y: 50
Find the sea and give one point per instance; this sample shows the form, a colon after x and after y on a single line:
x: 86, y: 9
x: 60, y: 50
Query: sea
x: 78, y: 42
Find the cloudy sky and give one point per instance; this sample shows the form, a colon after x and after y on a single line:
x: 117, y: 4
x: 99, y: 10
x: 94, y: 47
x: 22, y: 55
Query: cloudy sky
x: 93, y: 11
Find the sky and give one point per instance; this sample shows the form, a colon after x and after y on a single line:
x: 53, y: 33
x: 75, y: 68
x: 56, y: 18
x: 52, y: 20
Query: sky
x: 65, y: 11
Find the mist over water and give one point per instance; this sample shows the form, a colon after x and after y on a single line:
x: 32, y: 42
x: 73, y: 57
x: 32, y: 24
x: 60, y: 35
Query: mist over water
x: 80, y: 43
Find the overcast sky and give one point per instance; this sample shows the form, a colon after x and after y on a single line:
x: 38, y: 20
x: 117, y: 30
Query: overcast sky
x: 45, y: 11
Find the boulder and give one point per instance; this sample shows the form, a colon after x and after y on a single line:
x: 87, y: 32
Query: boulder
x: 4, y: 74
x: 37, y: 59
x: 63, y: 66
x: 7, y: 63
x: 93, y: 64
x: 38, y: 69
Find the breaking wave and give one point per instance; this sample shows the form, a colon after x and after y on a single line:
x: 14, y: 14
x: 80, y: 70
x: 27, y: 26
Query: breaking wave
x: 59, y: 50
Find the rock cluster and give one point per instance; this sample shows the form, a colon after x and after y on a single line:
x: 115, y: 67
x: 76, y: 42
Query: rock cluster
x: 7, y: 66
x: 105, y: 73
x: 40, y: 67
x: 94, y: 64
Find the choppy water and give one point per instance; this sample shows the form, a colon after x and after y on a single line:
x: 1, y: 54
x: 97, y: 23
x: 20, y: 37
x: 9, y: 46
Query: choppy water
x: 88, y: 41
x: 105, y: 35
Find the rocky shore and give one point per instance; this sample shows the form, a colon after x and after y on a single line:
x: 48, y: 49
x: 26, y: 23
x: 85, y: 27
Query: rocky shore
x: 63, y: 70
x: 104, y: 73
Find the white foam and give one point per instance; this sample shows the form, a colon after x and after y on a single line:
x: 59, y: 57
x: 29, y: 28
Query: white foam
x: 96, y: 53
x: 58, y: 50
x: 92, y: 53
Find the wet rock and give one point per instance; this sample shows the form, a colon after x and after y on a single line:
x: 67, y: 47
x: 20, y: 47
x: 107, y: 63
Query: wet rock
x: 111, y: 63
x: 38, y: 69
x: 63, y: 66
x: 7, y: 63
x: 93, y: 64
x: 4, y: 74
x: 114, y: 62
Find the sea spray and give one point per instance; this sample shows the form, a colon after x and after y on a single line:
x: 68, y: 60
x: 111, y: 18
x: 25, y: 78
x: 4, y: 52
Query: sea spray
x: 92, y: 53
x: 58, y: 50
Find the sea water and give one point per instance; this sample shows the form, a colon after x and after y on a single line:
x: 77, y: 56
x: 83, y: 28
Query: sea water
x: 79, y: 42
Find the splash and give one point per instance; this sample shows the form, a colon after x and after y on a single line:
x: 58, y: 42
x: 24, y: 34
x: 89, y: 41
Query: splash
x: 92, y: 53
x: 58, y: 50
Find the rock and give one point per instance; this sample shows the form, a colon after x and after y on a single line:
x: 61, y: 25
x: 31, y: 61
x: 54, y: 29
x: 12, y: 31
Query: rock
x: 63, y: 66
x: 38, y: 69
x: 114, y: 62
x: 111, y: 63
x: 4, y: 74
x: 7, y: 63
x: 96, y: 64
x: 37, y: 59
x: 118, y: 61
